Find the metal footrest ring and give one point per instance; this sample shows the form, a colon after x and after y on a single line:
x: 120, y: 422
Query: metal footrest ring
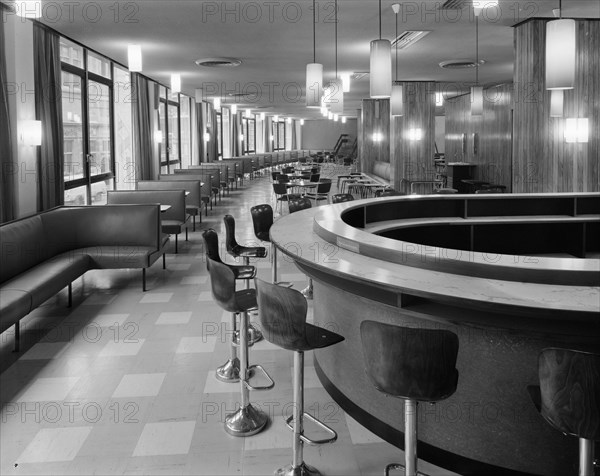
x: 320, y: 424
x: 251, y: 370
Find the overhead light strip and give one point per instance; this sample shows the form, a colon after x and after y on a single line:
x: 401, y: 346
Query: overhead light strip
x: 409, y: 38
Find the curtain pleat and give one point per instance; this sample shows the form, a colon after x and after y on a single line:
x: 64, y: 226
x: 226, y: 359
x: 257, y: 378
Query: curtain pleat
x: 48, y: 108
x: 294, y: 139
x: 8, y: 197
x: 200, y: 129
x: 214, y: 148
x: 268, y: 129
x: 142, y: 126
x: 235, y: 136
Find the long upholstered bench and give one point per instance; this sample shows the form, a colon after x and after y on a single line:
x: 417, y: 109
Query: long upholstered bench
x: 44, y: 253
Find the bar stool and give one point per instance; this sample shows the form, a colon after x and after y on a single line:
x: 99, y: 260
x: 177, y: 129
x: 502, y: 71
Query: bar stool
x: 262, y: 219
x: 342, y: 197
x: 230, y: 371
x: 248, y: 420
x: 413, y: 364
x: 569, y: 398
x: 245, y: 252
x: 282, y: 313
x: 295, y: 205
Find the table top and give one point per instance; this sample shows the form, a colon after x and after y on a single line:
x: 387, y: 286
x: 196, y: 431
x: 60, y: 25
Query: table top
x: 164, y: 208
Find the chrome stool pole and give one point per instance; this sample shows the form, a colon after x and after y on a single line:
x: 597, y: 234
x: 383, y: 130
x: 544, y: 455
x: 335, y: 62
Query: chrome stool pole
x: 230, y: 371
x: 248, y: 420
x: 255, y: 334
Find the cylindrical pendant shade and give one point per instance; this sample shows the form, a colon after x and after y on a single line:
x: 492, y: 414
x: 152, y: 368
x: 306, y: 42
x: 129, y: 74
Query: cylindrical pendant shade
x: 134, y: 57
x: 336, y: 96
x: 314, y: 84
x: 381, y: 69
x: 557, y: 102
x: 477, y: 101
x: 397, y: 100
x: 560, y: 54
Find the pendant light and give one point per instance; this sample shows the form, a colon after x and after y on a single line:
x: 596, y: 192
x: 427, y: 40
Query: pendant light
x: 396, y: 100
x: 314, y: 71
x: 381, y: 66
x: 477, y: 91
x: 336, y: 87
x: 560, y: 53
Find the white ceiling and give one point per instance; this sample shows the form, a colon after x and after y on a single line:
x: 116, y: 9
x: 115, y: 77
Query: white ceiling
x: 274, y: 41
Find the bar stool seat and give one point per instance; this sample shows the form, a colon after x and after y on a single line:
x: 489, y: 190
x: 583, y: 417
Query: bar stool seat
x: 248, y: 420
x: 568, y: 398
x: 282, y: 313
x: 412, y: 364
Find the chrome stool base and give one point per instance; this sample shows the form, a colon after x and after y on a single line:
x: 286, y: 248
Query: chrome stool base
x: 229, y: 372
x: 247, y: 421
x: 401, y: 467
x: 302, y: 470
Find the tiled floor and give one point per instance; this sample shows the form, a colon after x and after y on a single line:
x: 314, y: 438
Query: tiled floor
x: 123, y: 382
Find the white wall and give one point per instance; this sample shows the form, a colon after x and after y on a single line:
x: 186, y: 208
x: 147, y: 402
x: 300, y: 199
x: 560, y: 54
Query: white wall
x: 21, y: 103
x: 323, y: 133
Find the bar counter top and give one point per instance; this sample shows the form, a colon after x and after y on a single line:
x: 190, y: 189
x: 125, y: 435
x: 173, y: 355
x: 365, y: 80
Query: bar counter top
x: 489, y: 426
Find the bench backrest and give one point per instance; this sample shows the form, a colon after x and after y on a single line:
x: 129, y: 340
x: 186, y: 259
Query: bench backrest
x: 212, y: 175
x: 31, y: 240
x: 192, y: 187
x: 201, y: 177
x: 174, y: 198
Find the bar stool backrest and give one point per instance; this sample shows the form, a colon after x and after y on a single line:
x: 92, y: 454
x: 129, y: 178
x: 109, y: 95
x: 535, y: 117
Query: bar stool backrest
x: 315, y: 177
x: 282, y: 314
x: 280, y: 188
x: 570, y: 391
x: 297, y: 204
x: 410, y: 363
x: 211, y: 245
x: 262, y: 219
x: 230, y: 242
x: 222, y: 283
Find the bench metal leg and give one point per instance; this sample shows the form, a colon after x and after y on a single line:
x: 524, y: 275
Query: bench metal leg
x: 176, y: 242
x: 193, y: 222
x: 164, y: 261
x: 70, y: 292
x: 17, y: 337
x: 144, y: 279
x: 186, y: 234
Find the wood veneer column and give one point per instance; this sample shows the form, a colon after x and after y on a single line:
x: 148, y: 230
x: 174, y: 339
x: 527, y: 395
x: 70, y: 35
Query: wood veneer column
x: 375, y: 119
x: 542, y: 160
x: 492, y: 156
x: 413, y: 160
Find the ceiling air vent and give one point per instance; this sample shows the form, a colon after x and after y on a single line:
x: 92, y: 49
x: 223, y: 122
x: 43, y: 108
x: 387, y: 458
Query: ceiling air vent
x: 218, y: 62
x: 409, y: 38
x: 460, y: 64
x: 361, y: 75
x: 453, y: 4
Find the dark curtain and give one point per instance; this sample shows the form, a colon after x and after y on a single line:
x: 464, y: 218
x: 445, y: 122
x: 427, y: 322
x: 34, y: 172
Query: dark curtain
x: 294, y: 139
x: 48, y: 109
x: 142, y: 127
x: 268, y: 131
x: 8, y: 168
x: 200, y: 130
x: 235, y: 136
x: 214, y: 145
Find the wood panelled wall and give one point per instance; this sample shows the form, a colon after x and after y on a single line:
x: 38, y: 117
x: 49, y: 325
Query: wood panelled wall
x: 413, y: 160
x: 375, y: 118
x: 491, y: 149
x: 542, y: 160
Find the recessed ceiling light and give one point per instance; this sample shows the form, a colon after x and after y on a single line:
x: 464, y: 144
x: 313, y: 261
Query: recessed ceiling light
x: 460, y: 64
x: 220, y: 62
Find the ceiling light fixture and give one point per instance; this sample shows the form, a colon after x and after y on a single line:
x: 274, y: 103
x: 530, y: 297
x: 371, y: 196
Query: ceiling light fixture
x: 198, y: 95
x: 276, y: 118
x: 248, y: 113
x: 346, y: 81
x: 262, y: 116
x: 560, y: 52
x: 134, y: 58
x: 396, y: 100
x: 314, y: 71
x: 344, y: 120
x: 439, y: 99
x: 477, y: 91
x: 301, y: 122
x: 479, y: 5
x: 336, y: 87
x: 380, y: 66
x: 175, y: 83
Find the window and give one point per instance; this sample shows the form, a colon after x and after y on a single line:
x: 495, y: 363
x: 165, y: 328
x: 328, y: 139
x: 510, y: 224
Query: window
x: 123, y: 130
x: 219, y: 135
x: 186, y: 131
x: 249, y: 131
x: 87, y: 99
x: 288, y: 135
x: 278, y: 135
x: 226, y: 131
x: 168, y: 120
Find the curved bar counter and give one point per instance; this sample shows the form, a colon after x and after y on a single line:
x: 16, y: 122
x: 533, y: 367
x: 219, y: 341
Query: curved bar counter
x: 453, y: 262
